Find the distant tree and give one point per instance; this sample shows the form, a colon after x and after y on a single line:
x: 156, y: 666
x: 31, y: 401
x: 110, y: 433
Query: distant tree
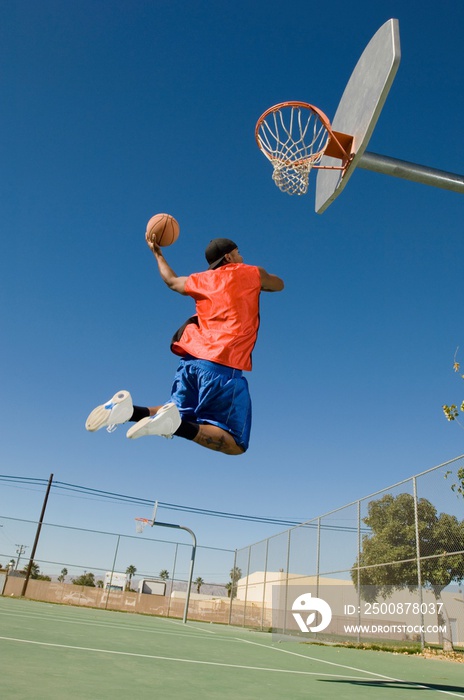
x: 130, y: 571
x: 389, y: 551
x: 452, y: 414
x: 458, y: 481
x: 231, y: 586
x: 86, y: 579
x: 35, y: 571
x: 164, y: 574
x: 198, y: 583
x: 99, y: 583
x: 62, y: 576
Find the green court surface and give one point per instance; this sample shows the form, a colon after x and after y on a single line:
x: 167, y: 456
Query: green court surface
x: 51, y: 651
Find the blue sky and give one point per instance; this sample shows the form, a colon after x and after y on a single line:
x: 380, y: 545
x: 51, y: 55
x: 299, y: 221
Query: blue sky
x: 114, y: 111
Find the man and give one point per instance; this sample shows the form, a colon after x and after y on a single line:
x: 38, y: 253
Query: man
x: 210, y: 402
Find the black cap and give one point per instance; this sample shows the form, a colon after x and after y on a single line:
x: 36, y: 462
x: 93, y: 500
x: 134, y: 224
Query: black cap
x: 216, y: 249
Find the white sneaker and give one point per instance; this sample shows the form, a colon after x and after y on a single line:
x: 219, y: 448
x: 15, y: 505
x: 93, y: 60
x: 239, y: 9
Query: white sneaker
x: 117, y: 410
x: 163, y: 423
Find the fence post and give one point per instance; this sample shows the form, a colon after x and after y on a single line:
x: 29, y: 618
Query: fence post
x: 359, y: 572
x: 264, y: 584
x: 246, y: 587
x: 232, y: 588
x: 318, y: 553
x: 287, y: 565
x: 418, y: 559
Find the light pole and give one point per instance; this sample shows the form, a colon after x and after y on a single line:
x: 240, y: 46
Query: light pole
x: 21, y: 548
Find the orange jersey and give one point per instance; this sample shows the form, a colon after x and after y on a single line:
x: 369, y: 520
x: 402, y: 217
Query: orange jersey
x: 227, y: 305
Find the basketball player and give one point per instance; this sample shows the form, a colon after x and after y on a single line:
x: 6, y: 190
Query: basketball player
x: 210, y: 402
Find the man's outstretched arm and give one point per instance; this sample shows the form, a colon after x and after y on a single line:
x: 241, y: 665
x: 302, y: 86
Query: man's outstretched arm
x: 270, y: 283
x: 173, y: 281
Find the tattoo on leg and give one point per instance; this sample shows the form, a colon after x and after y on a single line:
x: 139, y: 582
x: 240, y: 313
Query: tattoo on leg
x: 217, y: 444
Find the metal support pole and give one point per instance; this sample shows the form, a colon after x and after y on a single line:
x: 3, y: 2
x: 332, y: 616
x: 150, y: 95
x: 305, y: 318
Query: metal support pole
x: 173, y: 577
x: 411, y: 171
x: 37, y: 535
x: 112, y: 571
x: 192, y: 561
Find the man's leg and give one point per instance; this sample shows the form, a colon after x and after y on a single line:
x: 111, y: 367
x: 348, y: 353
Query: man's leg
x: 217, y: 439
x: 153, y: 410
x: 120, y: 409
x: 209, y: 436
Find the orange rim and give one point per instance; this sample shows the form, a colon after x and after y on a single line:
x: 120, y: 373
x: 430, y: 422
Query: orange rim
x: 339, y: 144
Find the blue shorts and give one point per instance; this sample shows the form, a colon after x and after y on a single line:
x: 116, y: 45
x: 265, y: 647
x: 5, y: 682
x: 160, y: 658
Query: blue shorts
x: 206, y: 392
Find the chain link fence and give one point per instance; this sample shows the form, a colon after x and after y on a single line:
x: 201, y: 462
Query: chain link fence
x: 113, y: 571
x: 388, y: 566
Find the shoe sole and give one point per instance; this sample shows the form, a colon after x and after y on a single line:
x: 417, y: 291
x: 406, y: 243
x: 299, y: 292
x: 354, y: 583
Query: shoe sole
x: 142, y: 429
x: 137, y: 430
x: 99, y: 416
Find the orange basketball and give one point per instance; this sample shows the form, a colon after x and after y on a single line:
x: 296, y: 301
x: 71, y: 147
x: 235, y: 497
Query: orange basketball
x: 164, y: 229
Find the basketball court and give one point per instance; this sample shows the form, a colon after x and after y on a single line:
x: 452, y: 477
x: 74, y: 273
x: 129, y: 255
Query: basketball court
x: 59, y: 651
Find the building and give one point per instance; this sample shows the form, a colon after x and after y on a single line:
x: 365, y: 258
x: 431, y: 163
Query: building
x: 152, y: 586
x: 115, y: 581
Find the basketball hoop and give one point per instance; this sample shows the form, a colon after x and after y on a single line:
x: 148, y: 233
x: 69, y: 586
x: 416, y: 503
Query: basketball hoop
x: 295, y: 136
x: 140, y: 524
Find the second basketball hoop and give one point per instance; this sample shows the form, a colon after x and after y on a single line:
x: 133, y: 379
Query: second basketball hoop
x: 141, y: 523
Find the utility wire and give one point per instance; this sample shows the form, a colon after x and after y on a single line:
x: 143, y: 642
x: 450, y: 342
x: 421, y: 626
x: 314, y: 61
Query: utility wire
x: 124, y: 498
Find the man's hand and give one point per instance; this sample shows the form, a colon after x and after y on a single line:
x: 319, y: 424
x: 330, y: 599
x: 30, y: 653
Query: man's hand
x: 152, y: 244
x: 174, y: 282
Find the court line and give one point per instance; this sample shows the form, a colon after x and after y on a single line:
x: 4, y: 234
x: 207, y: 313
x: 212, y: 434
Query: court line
x: 112, y: 625
x: 379, y: 676
x: 200, y: 629
x: 186, y: 661
x: 222, y: 637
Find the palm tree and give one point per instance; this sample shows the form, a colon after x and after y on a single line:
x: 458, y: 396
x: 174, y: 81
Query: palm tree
x: 130, y: 571
x: 34, y: 570
x: 231, y: 587
x: 62, y: 576
x: 198, y: 583
x: 164, y: 574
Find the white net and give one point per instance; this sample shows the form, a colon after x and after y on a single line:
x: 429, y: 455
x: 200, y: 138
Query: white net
x: 140, y: 524
x: 294, y: 139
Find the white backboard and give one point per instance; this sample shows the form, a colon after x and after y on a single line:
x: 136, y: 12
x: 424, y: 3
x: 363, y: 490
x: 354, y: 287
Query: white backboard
x: 360, y: 107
